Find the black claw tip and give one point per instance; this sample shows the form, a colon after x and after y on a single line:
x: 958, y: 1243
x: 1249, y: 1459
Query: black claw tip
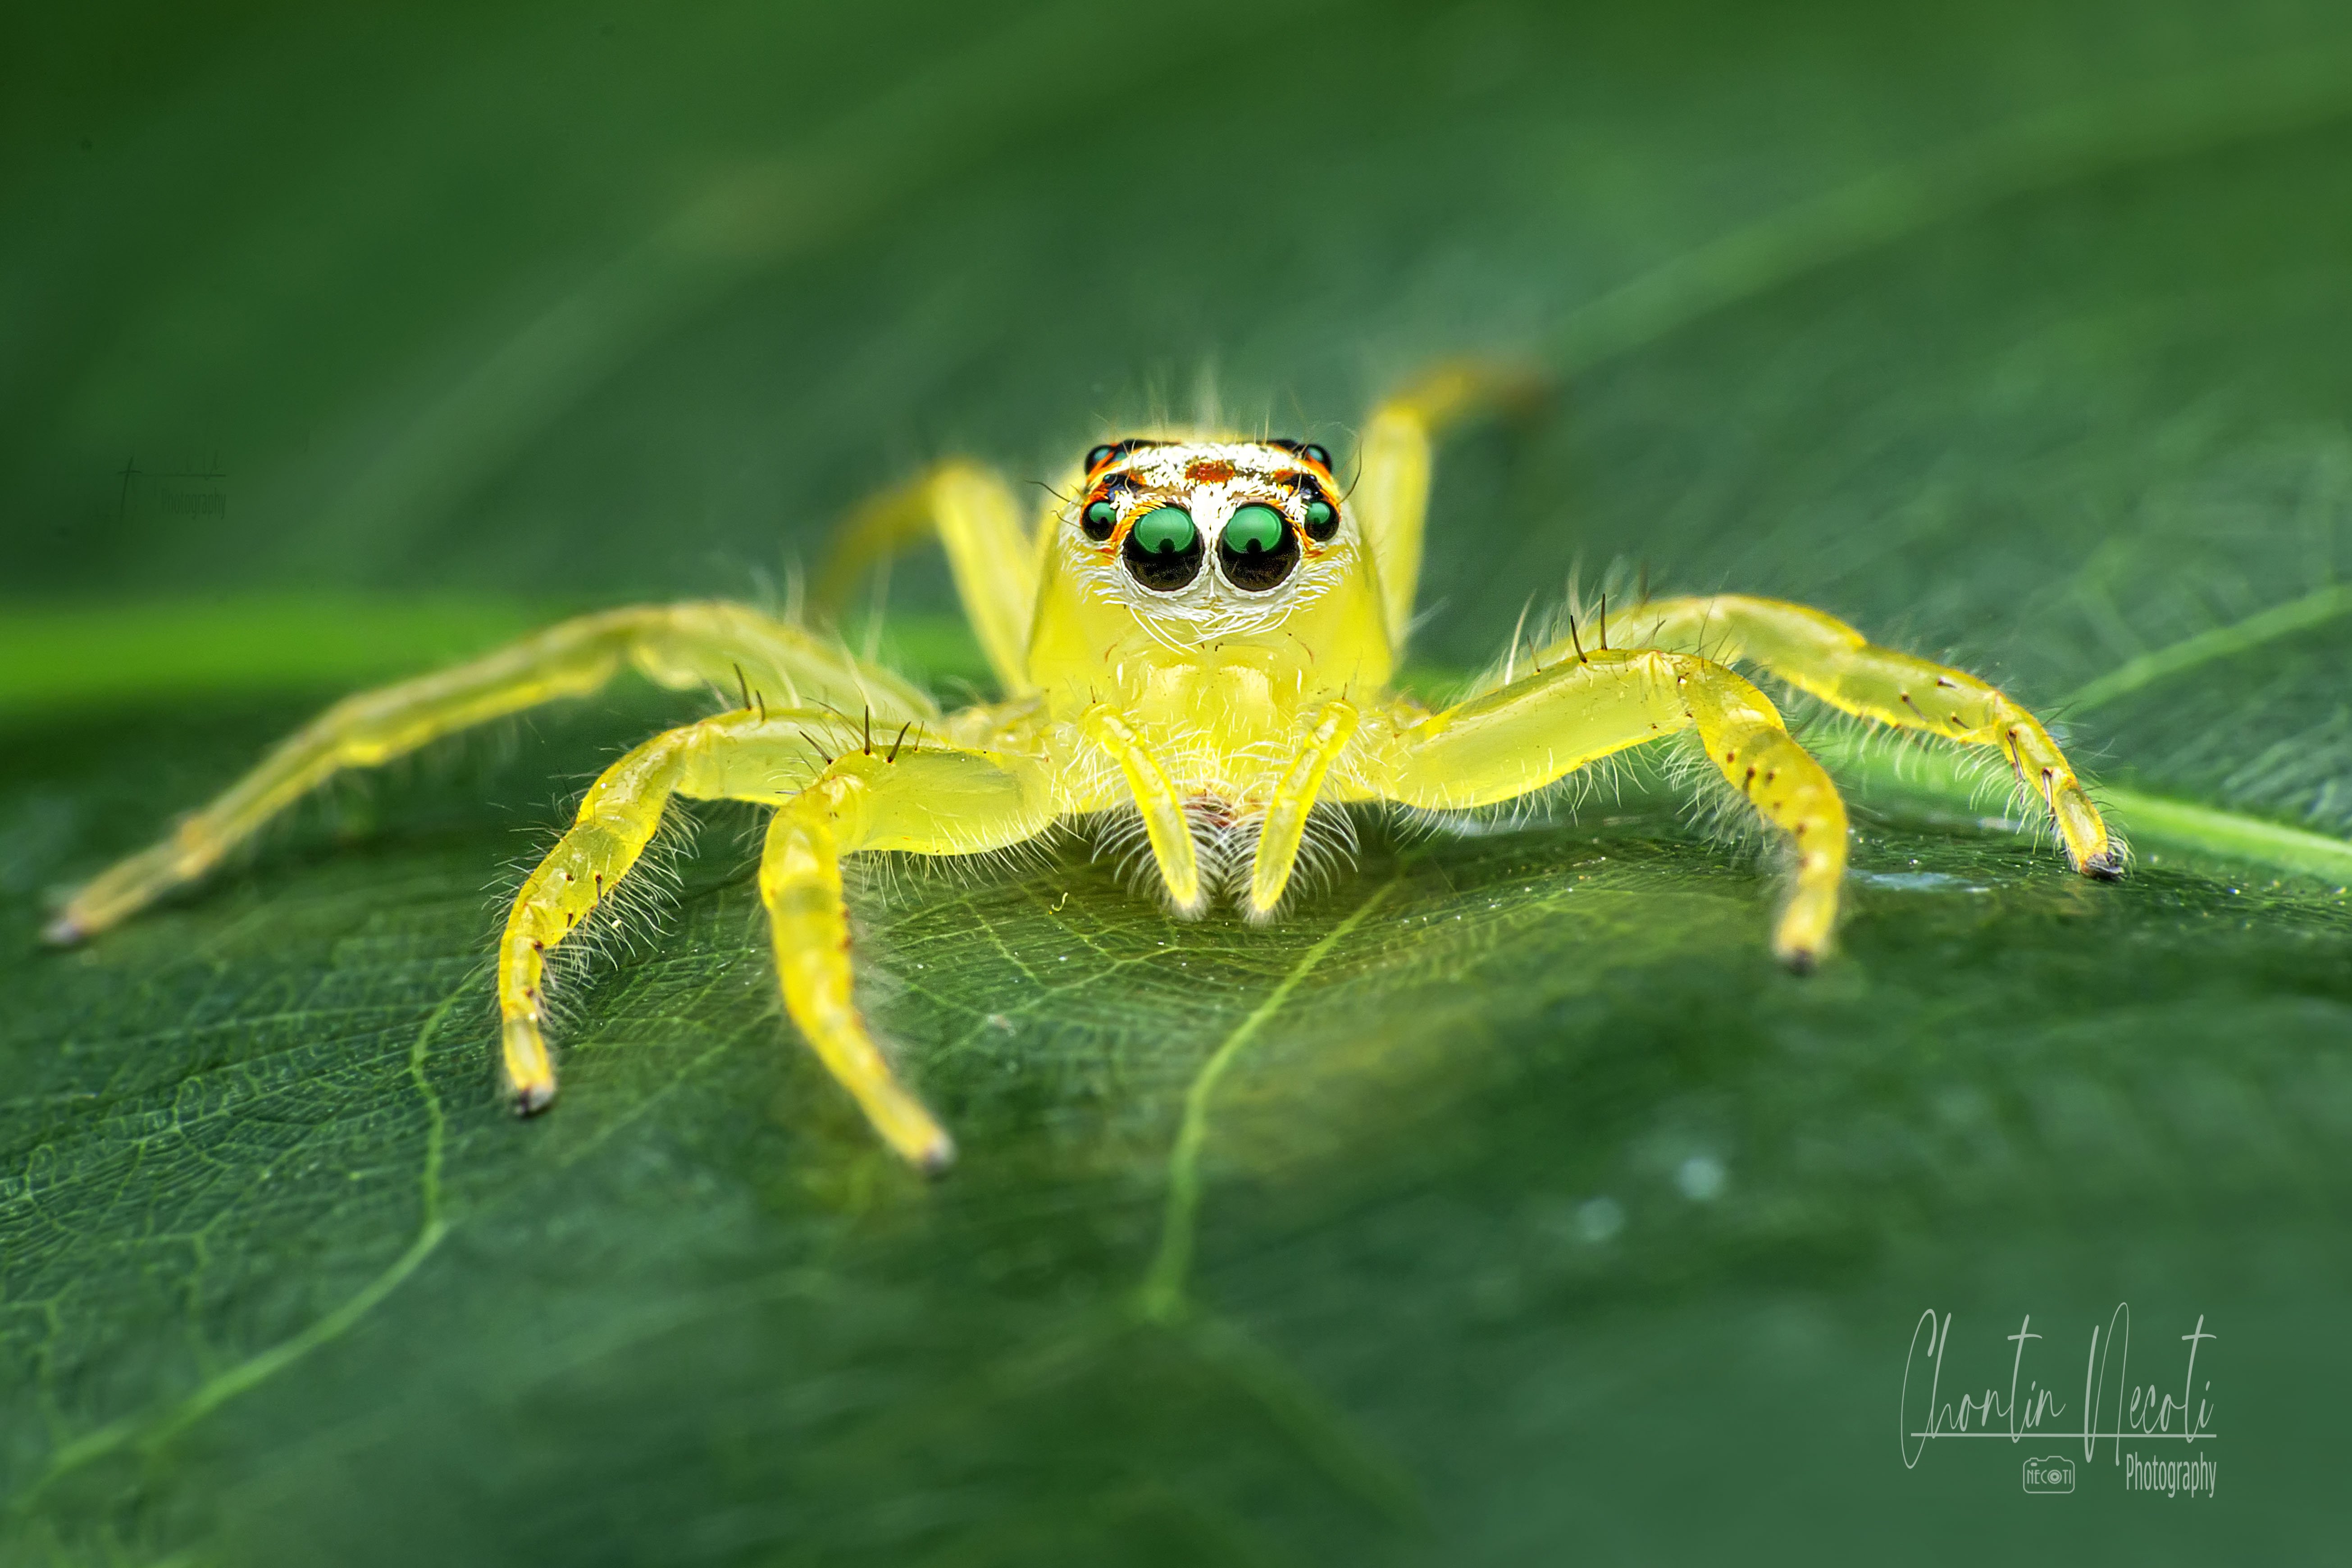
x: 1802, y: 960
x: 63, y: 932
x: 532, y: 1100
x: 2106, y: 868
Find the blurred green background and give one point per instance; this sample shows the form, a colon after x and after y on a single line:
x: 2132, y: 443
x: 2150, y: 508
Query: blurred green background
x: 1537, y: 1216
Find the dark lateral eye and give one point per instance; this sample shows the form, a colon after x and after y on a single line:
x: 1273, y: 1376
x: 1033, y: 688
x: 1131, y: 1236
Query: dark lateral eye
x: 1257, y: 548
x: 1097, y: 456
x: 1315, y: 454
x: 1098, y: 520
x: 1322, y: 519
x: 1163, y: 549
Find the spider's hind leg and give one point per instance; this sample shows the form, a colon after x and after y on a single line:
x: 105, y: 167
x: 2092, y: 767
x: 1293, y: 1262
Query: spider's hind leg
x: 977, y: 519
x: 1397, y: 451
x: 677, y: 645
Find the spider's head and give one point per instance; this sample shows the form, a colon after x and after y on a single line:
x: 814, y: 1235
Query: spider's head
x: 1217, y: 533
x: 1226, y: 560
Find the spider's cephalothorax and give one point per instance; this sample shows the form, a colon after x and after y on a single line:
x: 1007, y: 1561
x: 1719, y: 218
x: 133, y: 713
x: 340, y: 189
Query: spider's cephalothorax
x: 1202, y: 596
x: 1196, y: 640
x: 1216, y: 537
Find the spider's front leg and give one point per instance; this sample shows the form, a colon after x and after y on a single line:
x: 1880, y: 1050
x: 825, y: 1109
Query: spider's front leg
x: 931, y: 802
x: 1509, y: 742
x: 1827, y: 658
x: 909, y: 796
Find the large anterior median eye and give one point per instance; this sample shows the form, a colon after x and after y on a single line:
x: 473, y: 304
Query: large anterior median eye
x: 1163, y: 549
x: 1252, y: 529
x: 1256, y: 549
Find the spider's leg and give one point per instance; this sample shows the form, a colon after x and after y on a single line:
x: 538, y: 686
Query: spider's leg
x: 933, y: 801
x: 1535, y: 731
x: 1164, y: 822
x: 1293, y: 796
x: 1390, y: 496
x: 677, y: 645
x: 616, y: 820
x: 993, y: 557
x: 1823, y: 656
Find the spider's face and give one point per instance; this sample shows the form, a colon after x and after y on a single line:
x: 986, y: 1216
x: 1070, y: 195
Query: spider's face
x: 1216, y: 531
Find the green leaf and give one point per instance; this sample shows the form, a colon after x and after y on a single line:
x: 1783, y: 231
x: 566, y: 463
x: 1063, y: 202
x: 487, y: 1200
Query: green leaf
x: 1503, y: 1204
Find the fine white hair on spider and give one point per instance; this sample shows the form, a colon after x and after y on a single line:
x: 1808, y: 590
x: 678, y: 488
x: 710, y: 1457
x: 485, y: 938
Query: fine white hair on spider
x: 1195, y: 649
x: 1327, y: 851
x: 626, y: 923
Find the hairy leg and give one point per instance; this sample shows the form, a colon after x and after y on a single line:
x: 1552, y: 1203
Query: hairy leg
x: 930, y: 800
x: 932, y: 803
x: 616, y: 820
x: 1823, y: 656
x: 1390, y: 496
x: 1509, y: 742
x: 1294, y: 798
x: 677, y: 645
x: 993, y: 557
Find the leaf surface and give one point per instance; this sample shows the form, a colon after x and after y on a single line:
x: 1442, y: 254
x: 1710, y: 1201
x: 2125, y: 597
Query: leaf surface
x: 1503, y: 1204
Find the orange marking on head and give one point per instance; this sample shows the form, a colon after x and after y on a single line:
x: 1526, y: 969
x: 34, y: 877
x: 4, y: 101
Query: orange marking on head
x: 1208, y: 471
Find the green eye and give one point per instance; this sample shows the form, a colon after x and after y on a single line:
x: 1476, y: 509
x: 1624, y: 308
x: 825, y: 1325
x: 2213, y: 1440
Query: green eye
x: 1164, y: 531
x: 1254, y: 530
x: 1099, y: 518
x: 1322, y: 523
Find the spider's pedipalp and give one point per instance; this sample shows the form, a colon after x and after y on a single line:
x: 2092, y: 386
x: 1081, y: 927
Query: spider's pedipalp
x: 1288, y: 813
x: 1328, y: 851
x: 1162, y: 807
